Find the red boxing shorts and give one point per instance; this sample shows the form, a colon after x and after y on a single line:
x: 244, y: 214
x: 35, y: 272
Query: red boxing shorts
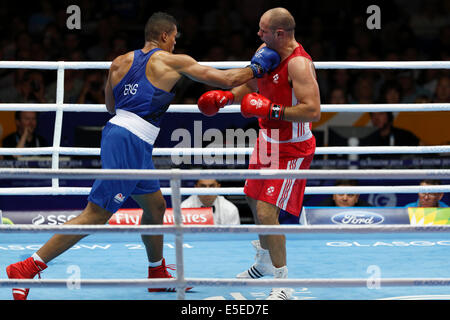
x: 286, y: 194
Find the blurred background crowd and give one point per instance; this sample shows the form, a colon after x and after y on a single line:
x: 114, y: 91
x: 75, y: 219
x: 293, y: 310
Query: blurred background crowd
x: 226, y: 30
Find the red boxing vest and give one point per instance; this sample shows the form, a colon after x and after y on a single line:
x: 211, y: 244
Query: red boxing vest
x: 294, y: 139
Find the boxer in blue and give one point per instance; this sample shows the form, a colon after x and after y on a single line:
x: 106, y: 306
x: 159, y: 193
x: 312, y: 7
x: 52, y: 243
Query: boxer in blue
x: 138, y: 92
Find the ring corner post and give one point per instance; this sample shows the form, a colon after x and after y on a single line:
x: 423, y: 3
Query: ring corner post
x: 58, y: 119
x: 175, y: 185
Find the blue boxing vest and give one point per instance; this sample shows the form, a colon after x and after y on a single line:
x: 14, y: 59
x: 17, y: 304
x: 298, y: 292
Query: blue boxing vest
x: 134, y: 93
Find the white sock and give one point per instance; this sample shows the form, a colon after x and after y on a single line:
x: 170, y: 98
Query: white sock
x: 258, y: 247
x: 280, y: 273
x: 155, y: 264
x: 37, y: 258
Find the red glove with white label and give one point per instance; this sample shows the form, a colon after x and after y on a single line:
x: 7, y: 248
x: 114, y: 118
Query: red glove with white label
x: 256, y: 105
x: 210, y: 102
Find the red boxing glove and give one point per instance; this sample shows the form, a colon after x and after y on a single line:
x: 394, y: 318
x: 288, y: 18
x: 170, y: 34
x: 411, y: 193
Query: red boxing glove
x: 256, y: 105
x: 210, y: 102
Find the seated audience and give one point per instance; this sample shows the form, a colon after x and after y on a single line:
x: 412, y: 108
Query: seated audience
x: 429, y: 200
x: 345, y: 200
x: 224, y: 211
x: 386, y: 134
x: 25, y: 135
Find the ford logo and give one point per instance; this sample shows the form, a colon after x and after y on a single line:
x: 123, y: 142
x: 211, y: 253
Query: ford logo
x: 357, y: 218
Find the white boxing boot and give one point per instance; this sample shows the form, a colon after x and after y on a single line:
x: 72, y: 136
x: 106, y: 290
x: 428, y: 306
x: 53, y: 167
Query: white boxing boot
x: 262, y: 266
x: 280, y: 293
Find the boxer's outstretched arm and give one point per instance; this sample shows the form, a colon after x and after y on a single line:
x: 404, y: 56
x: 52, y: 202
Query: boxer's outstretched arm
x: 190, y: 68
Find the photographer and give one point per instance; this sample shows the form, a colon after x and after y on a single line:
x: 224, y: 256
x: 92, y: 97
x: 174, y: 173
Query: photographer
x: 93, y: 89
x: 32, y: 87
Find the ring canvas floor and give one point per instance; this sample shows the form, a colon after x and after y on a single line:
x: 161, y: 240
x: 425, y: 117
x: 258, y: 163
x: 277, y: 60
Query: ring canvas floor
x: 122, y: 256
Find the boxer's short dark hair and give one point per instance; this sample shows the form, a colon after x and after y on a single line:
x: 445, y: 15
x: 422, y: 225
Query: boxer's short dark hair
x: 158, y: 23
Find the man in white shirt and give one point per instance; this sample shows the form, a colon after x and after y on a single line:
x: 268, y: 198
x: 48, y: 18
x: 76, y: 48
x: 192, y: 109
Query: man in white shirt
x: 224, y: 211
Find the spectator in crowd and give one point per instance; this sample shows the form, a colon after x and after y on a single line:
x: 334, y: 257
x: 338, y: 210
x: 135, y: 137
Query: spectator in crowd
x: 442, y: 91
x: 386, y: 134
x: 101, y: 47
x: 224, y: 211
x: 73, y: 81
x: 427, y: 21
x: 429, y: 200
x: 363, y: 90
x: 25, y: 135
x: 52, y: 41
x: 344, y: 199
x: 422, y: 99
x: 29, y: 87
x: 93, y: 89
x: 390, y: 92
x: 410, y: 89
x: 337, y: 96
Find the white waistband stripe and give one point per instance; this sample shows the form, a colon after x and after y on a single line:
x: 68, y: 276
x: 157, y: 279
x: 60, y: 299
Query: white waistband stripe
x: 136, y: 125
x: 305, y: 137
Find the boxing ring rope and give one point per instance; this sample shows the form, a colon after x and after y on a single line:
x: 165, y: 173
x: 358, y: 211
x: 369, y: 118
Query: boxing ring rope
x: 193, y: 108
x: 195, y: 229
x: 127, y: 174
x: 230, y: 174
x: 176, y: 175
x: 52, y: 65
x: 234, y: 190
x: 228, y: 150
x: 196, y: 282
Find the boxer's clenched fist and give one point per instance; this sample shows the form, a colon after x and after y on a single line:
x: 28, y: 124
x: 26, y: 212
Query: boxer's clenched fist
x: 256, y: 105
x: 210, y: 102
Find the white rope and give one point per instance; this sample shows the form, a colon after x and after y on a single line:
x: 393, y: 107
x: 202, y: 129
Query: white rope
x: 348, y: 64
x: 52, y: 65
x: 236, y: 174
x: 193, y: 108
x: 394, y: 107
x: 233, y: 190
x: 213, y: 282
x: 258, y: 229
x: 231, y: 150
x: 53, y: 107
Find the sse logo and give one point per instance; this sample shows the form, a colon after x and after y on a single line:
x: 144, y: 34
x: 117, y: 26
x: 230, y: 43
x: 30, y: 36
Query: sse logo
x: 357, y: 218
x: 52, y: 219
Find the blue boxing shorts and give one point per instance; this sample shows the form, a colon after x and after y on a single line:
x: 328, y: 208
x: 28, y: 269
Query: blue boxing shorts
x: 121, y: 149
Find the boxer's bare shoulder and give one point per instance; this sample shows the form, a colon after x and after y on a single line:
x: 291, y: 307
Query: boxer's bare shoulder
x: 120, y: 66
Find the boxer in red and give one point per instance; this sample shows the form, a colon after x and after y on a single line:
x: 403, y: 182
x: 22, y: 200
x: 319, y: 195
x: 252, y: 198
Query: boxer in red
x: 288, y: 100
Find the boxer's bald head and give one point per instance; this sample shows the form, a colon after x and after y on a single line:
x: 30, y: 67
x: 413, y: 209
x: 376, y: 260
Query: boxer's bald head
x: 280, y: 18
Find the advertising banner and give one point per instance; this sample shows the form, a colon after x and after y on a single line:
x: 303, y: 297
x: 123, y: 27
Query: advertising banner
x: 41, y: 217
x: 429, y: 216
x: 356, y: 215
x: 202, y: 216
